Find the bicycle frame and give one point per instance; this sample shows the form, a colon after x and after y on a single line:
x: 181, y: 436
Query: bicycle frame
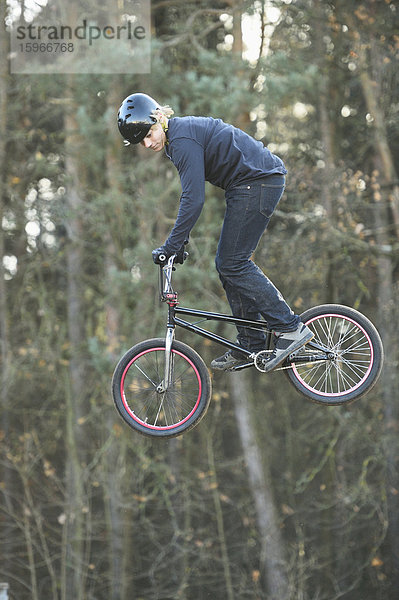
x: 168, y: 295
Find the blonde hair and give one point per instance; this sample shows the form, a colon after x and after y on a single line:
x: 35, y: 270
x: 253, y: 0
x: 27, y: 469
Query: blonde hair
x: 162, y: 113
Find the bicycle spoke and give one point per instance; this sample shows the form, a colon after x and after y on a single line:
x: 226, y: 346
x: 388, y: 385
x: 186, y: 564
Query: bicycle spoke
x: 145, y: 375
x: 351, y: 353
x: 144, y: 393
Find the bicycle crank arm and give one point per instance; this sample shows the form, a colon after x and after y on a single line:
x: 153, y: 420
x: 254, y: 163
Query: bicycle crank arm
x: 307, y: 358
x: 240, y: 367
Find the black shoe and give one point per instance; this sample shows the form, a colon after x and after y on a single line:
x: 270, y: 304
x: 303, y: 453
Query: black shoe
x: 286, y: 344
x: 229, y: 360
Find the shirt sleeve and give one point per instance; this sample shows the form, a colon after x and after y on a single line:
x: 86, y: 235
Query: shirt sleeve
x: 188, y: 157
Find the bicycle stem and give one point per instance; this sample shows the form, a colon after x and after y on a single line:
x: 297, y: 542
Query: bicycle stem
x: 167, y: 269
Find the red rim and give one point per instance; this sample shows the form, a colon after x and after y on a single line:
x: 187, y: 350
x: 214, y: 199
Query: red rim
x: 131, y: 413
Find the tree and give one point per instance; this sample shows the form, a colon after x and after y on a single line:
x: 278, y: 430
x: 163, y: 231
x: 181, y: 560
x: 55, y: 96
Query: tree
x: 6, y: 476
x: 76, y: 409
x: 272, y: 557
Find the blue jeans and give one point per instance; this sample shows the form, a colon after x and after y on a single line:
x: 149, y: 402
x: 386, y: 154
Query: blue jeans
x: 250, y: 293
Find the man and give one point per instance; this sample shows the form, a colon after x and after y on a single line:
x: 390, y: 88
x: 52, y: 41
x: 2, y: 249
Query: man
x: 206, y: 149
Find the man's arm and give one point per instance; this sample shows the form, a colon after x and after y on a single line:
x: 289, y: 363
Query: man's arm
x: 188, y: 157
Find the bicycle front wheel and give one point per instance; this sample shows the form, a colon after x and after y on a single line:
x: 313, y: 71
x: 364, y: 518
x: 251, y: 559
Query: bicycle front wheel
x: 141, y: 398
x: 354, y: 350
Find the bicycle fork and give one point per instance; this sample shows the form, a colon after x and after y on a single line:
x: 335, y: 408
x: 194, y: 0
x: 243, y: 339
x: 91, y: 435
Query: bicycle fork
x: 168, y: 370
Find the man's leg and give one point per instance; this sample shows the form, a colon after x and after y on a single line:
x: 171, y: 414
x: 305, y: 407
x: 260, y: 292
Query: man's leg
x: 248, y: 290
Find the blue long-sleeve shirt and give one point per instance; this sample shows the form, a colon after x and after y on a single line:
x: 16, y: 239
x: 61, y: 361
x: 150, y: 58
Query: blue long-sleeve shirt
x: 206, y: 149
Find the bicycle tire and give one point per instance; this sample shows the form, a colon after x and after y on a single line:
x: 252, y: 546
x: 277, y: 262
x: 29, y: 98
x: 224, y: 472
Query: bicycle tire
x: 358, y: 356
x: 135, y: 389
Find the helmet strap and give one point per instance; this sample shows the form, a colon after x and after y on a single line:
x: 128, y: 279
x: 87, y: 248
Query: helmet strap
x: 165, y: 127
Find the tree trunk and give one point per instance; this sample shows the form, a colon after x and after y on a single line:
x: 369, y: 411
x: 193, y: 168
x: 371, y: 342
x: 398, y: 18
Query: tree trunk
x: 243, y: 120
x: 114, y: 460
x: 272, y: 545
x: 5, y: 471
x: 387, y: 317
x: 386, y: 193
x: 237, y: 29
x: 210, y: 438
x: 372, y: 93
x: 327, y: 173
x: 74, y: 571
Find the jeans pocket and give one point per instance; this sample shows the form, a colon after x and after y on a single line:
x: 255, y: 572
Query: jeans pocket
x: 270, y: 196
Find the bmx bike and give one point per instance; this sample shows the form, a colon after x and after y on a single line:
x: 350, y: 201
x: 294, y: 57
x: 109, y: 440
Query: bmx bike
x: 162, y: 387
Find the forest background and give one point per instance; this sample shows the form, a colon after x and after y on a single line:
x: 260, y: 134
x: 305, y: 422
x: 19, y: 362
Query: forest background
x: 270, y: 497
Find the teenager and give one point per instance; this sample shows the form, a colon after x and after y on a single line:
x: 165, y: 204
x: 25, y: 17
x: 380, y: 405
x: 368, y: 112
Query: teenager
x: 206, y: 149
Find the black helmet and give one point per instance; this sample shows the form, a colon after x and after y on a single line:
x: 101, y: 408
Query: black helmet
x: 135, y: 117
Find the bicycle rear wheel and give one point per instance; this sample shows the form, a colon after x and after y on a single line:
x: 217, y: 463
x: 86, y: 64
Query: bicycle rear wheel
x: 354, y: 350
x: 137, y: 389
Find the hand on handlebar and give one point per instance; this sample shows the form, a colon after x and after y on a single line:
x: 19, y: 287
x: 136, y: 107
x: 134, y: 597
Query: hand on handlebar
x: 160, y: 255
x: 181, y: 254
